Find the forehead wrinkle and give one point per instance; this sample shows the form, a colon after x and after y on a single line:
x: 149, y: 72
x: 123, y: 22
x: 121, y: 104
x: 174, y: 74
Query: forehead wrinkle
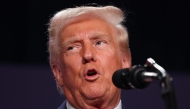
x: 99, y: 36
x: 95, y: 34
x: 91, y: 35
x: 87, y: 33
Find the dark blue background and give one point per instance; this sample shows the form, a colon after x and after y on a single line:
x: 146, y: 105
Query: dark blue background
x: 157, y: 29
x: 33, y: 87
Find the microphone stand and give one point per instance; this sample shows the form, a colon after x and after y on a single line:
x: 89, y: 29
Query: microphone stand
x: 167, y: 93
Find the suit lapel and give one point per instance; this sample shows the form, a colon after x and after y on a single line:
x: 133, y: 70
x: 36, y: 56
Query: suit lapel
x: 63, y: 105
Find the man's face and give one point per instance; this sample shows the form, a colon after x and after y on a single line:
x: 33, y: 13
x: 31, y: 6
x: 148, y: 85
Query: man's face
x: 89, y: 56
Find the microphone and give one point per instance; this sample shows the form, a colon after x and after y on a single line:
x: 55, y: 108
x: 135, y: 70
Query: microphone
x: 141, y: 76
x: 138, y: 76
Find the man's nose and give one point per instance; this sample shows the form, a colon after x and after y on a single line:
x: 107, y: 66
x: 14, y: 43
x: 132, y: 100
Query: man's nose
x: 88, y: 54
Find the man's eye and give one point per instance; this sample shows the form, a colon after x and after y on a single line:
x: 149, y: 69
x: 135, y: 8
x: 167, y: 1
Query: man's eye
x: 74, y: 47
x: 99, y: 42
x: 70, y: 48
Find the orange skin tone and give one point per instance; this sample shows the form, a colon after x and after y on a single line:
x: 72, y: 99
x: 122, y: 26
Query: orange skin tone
x: 89, y: 45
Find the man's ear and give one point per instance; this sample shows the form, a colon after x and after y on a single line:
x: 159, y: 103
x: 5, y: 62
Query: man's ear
x: 126, y: 60
x: 58, y: 75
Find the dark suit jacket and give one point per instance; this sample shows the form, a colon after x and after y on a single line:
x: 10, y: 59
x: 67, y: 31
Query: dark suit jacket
x: 63, y: 106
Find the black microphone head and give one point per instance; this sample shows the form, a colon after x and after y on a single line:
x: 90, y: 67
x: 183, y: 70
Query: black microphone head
x: 136, y: 77
x: 119, y: 78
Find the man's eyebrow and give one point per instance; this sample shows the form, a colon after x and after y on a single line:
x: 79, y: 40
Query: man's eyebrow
x: 91, y: 36
x: 70, y: 40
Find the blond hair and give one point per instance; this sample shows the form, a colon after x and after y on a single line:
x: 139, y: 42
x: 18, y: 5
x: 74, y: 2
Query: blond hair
x: 111, y: 14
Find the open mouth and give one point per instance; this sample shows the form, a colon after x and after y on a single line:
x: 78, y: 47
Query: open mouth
x: 91, y: 75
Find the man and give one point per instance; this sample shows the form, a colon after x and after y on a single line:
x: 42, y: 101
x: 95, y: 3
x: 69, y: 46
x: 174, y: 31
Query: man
x: 87, y: 45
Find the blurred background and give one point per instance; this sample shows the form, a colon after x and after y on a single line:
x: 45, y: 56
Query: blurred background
x: 157, y: 29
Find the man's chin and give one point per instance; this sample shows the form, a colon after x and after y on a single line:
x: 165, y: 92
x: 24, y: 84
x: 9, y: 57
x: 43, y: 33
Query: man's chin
x: 95, y: 94
x: 94, y: 97
x: 95, y: 90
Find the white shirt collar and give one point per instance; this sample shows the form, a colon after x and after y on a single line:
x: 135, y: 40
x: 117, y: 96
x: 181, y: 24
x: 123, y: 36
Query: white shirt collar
x: 69, y: 106
x: 118, y: 106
